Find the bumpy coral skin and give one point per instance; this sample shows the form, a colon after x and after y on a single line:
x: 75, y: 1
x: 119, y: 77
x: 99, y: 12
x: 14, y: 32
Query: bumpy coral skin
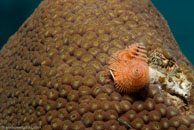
x: 129, y: 68
x: 62, y: 52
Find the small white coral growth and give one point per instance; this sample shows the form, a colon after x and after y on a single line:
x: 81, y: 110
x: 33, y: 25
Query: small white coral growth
x: 174, y: 82
x: 155, y: 75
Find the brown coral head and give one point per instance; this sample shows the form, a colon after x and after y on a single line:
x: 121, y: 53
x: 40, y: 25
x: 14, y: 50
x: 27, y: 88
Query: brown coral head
x: 129, y: 68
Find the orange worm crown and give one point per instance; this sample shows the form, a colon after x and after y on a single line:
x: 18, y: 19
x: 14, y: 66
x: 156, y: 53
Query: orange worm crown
x: 129, y: 68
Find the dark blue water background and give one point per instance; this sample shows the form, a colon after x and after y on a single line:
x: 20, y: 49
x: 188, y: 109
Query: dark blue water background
x: 178, y: 13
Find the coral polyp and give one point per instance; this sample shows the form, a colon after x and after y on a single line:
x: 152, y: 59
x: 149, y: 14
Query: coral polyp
x: 129, y: 68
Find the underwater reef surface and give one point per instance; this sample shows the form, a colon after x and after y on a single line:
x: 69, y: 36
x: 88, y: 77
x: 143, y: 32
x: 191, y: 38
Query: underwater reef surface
x: 54, y: 72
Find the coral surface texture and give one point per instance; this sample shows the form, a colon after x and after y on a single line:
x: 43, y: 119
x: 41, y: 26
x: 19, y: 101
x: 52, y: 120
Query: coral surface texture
x: 55, y: 75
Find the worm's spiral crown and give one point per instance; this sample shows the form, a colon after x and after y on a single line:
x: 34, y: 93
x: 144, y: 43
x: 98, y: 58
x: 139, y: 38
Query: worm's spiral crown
x: 130, y: 69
